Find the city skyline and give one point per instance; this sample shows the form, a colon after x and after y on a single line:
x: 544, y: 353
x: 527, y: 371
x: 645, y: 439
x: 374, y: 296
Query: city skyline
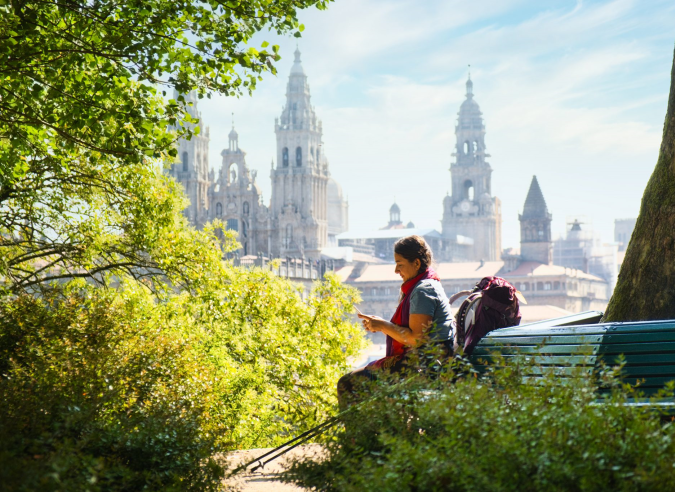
x: 582, y: 107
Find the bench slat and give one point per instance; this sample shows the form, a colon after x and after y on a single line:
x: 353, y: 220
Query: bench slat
x: 567, y: 339
x: 545, y: 339
x: 530, y: 330
x: 533, y: 349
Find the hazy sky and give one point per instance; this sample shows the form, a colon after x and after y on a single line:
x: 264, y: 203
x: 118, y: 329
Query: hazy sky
x: 574, y: 92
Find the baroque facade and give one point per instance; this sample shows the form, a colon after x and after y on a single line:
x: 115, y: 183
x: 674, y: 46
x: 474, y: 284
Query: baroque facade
x: 307, y: 209
x: 471, y: 210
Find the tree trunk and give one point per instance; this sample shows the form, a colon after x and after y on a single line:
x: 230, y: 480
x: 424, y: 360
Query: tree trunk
x: 646, y: 286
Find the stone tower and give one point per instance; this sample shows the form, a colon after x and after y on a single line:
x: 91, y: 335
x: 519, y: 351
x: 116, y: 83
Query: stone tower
x: 394, y: 217
x: 236, y: 199
x: 472, y: 211
x: 338, y: 212
x: 193, y: 169
x: 535, y: 227
x: 299, y: 203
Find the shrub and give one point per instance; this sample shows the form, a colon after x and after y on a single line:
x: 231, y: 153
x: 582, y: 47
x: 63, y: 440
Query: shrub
x: 120, y: 390
x: 502, y: 433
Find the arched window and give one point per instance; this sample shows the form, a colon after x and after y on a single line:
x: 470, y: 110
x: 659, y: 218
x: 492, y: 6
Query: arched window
x: 318, y: 149
x: 311, y: 151
x: 185, y: 162
x: 284, y: 157
x: 245, y: 208
x: 245, y: 249
x: 475, y: 146
x: 232, y: 225
x: 467, y: 147
x: 468, y: 190
x: 244, y: 228
x: 395, y: 216
x: 289, y: 235
x: 298, y: 156
x: 540, y: 285
x: 219, y: 209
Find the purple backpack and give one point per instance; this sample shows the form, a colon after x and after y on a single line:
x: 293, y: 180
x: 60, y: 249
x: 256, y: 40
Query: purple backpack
x: 493, y: 303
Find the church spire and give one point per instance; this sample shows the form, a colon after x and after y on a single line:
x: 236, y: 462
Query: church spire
x: 535, y: 227
x: 233, y: 138
x: 469, y: 86
x: 297, y: 63
x: 535, y: 204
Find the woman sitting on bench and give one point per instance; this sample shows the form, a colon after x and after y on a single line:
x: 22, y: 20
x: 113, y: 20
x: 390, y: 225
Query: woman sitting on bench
x: 423, y: 316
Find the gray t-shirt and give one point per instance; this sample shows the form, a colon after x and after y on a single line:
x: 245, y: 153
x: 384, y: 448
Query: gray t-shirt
x: 428, y: 297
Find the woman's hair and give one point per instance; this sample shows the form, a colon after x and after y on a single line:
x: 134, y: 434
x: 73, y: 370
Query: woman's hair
x: 414, y: 248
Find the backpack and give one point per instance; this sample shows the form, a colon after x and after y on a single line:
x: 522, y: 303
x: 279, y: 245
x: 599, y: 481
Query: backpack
x: 493, y: 303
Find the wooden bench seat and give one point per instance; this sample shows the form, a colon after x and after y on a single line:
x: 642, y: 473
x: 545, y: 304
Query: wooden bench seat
x: 579, y: 342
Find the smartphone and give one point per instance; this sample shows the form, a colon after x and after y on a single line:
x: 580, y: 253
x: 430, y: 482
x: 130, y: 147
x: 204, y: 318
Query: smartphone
x: 359, y: 311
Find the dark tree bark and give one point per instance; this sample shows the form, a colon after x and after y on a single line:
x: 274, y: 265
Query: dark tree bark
x: 646, y: 285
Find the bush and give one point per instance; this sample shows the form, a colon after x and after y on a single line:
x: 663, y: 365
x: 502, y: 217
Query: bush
x: 502, y: 433
x: 120, y: 390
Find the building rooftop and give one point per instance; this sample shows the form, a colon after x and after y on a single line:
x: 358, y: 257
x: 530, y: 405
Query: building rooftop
x: 466, y: 270
x: 531, y: 313
x: 390, y: 234
x: 540, y: 270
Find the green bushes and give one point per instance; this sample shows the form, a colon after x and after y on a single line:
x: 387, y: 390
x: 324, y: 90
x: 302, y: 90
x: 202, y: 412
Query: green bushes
x: 501, y: 434
x: 121, y: 390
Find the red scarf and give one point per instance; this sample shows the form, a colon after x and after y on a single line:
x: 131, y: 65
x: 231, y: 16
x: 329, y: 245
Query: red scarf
x: 402, y: 315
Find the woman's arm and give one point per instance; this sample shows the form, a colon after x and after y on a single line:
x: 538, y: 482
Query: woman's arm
x: 408, y: 336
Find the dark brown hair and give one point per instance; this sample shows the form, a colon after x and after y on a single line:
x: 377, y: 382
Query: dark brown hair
x: 414, y: 248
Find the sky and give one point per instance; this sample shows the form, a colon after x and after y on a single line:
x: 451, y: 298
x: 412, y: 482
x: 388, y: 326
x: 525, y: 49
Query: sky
x: 574, y: 92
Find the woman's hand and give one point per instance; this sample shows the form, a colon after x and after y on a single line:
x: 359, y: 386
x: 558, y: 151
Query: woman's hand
x: 373, y: 323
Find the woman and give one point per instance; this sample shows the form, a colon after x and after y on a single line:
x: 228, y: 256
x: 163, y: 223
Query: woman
x: 423, y: 315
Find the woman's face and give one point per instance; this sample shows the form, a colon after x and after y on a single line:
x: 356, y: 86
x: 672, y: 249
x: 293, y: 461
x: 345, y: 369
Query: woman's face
x: 406, y: 269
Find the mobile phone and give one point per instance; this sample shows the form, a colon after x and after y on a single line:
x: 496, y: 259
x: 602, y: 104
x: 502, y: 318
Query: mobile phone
x: 359, y: 311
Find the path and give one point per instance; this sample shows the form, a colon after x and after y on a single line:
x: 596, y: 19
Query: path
x: 263, y: 480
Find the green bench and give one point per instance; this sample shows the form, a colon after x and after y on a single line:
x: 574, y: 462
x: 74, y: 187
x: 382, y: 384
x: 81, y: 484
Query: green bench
x: 566, y: 345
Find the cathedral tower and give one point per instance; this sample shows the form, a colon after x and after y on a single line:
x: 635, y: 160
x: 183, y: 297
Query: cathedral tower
x: 535, y: 227
x: 472, y: 211
x: 237, y: 200
x: 299, y: 182
x: 193, y: 169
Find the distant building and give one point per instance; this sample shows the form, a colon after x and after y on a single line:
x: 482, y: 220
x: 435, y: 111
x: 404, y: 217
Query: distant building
x: 193, y: 169
x: 471, y: 210
x: 551, y: 290
x: 623, y: 230
x: 380, y: 243
x: 307, y: 210
x: 535, y: 227
x: 582, y: 249
x: 565, y: 289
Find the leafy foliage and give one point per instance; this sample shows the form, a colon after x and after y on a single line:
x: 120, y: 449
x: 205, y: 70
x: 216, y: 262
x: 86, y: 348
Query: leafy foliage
x: 84, y: 127
x: 111, y: 390
x: 131, y: 354
x: 504, y: 433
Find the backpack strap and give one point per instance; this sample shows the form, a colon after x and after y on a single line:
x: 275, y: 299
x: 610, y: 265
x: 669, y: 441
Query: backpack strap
x: 465, y: 318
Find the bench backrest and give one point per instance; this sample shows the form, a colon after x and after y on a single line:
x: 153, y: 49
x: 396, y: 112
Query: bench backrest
x: 648, y: 347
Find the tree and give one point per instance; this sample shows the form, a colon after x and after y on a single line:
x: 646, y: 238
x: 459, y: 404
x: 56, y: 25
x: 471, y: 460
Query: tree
x: 646, y: 286
x: 85, y: 127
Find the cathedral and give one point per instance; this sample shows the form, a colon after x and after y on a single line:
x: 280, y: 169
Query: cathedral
x: 307, y: 209
x: 471, y: 211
